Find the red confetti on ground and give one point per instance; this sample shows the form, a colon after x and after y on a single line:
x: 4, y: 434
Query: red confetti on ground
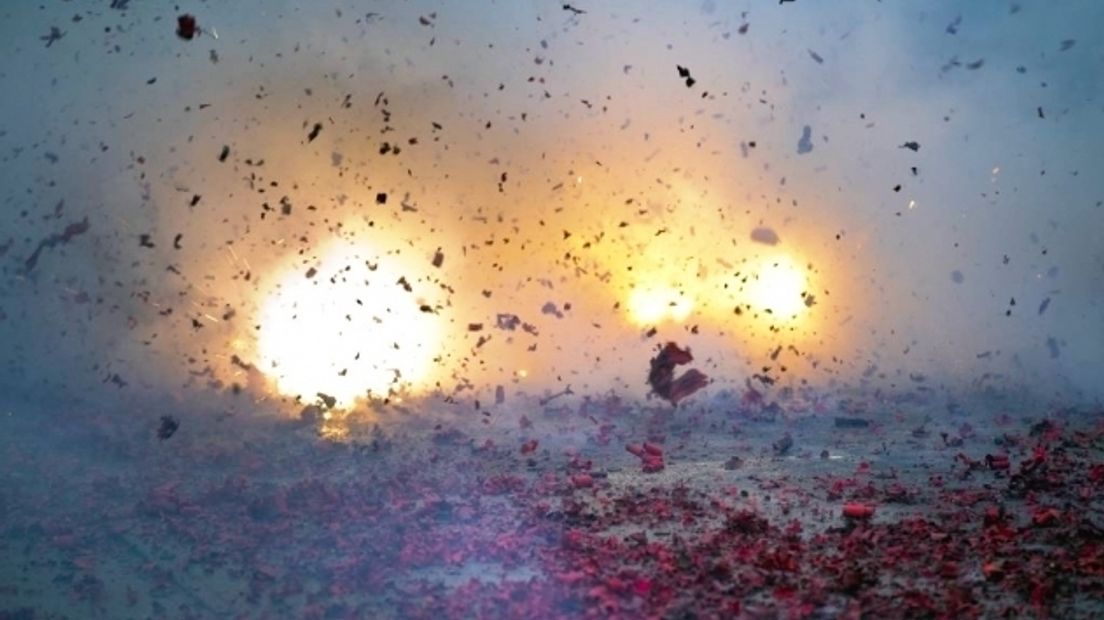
x: 450, y: 525
x: 858, y: 511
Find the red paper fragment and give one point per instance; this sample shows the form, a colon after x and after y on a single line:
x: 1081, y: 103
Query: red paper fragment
x: 582, y: 481
x: 858, y: 511
x: 653, y: 464
x: 650, y: 455
x: 661, y: 376
x: 997, y: 461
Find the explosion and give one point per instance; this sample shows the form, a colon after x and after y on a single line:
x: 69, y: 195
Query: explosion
x: 349, y: 328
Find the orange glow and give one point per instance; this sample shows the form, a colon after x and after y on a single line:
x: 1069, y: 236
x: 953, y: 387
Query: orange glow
x: 649, y: 306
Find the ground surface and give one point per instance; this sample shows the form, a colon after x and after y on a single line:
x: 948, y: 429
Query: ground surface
x: 537, y: 511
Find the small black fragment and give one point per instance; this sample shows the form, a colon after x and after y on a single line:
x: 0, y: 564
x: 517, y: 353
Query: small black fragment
x: 782, y: 446
x: 568, y: 7
x: 911, y: 145
x: 225, y: 153
x: 317, y: 129
x: 186, y: 27
x: 952, y: 28
x: 55, y: 35
x: 381, y: 198
x: 167, y: 428
x: 852, y: 422
x: 683, y: 72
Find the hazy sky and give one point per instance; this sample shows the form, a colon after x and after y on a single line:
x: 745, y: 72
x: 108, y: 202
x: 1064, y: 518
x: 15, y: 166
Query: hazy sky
x: 929, y: 171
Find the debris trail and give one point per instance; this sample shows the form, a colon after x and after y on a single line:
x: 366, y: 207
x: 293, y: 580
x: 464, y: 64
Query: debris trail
x: 72, y: 230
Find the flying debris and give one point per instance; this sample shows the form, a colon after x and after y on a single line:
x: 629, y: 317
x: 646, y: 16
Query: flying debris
x: 167, y: 427
x: 765, y: 236
x: 72, y: 230
x: 805, y: 144
x: 55, y: 34
x: 952, y: 28
x: 661, y: 375
x: 186, y: 27
x: 684, y: 73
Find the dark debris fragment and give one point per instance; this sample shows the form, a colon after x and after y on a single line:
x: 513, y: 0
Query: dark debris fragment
x: 72, y: 230
x: 805, y: 144
x: 684, y: 73
x: 661, y: 375
x: 167, y: 427
x: 186, y: 27
x: 55, y: 34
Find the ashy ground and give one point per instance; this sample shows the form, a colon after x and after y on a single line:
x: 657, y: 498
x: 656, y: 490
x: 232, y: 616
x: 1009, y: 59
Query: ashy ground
x: 590, y: 508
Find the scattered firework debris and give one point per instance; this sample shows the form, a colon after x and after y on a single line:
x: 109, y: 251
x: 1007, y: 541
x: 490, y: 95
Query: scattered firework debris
x: 167, y: 427
x: 661, y: 375
x: 65, y: 236
x: 684, y: 73
x: 426, y: 524
x: 617, y: 510
x: 186, y: 27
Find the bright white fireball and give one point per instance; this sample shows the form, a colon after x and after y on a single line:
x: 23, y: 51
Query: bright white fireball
x: 780, y: 286
x: 350, y: 330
